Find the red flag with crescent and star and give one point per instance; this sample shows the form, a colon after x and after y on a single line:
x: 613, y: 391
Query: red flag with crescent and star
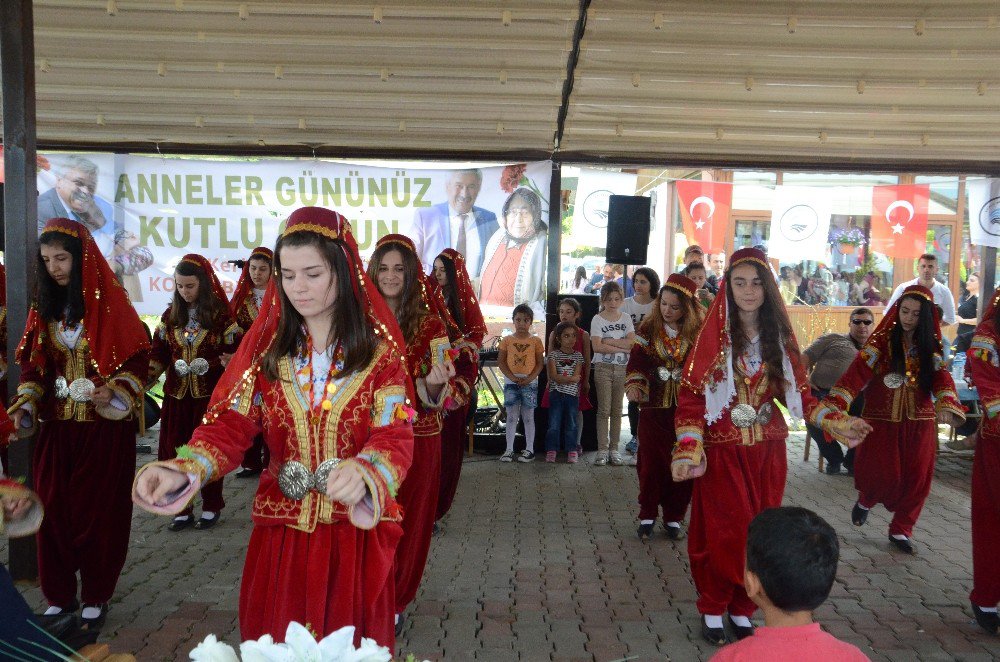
x: 705, y: 210
x: 899, y: 220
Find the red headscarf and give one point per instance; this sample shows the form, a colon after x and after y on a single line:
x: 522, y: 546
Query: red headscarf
x: 245, y: 363
x: 879, y: 341
x: 113, y: 330
x: 244, y: 286
x: 709, y: 366
x: 475, y: 326
x: 430, y: 297
x: 202, y: 262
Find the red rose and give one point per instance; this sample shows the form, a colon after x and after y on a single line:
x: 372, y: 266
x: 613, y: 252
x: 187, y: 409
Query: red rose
x: 511, y: 176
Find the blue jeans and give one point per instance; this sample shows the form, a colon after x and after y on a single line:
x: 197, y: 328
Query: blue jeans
x: 562, y: 421
x: 526, y: 396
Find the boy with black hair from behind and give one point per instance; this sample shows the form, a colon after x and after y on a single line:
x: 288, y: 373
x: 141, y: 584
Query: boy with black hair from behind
x: 792, y: 556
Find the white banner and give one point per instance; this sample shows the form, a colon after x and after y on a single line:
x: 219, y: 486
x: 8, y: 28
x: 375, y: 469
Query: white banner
x: 590, y: 212
x: 984, y: 211
x: 147, y: 212
x: 800, y: 223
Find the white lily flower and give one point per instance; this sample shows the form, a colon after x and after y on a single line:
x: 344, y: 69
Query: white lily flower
x: 336, y: 645
x: 265, y: 650
x: 302, y: 643
x: 213, y: 650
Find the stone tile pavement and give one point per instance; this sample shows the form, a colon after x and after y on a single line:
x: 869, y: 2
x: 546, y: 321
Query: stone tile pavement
x: 541, y: 562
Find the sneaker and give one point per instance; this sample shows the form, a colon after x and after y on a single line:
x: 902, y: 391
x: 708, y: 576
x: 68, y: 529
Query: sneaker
x: 632, y: 446
x: 601, y: 459
x: 573, y: 457
x: 508, y: 456
x: 525, y: 456
x: 616, y: 459
x: 550, y: 456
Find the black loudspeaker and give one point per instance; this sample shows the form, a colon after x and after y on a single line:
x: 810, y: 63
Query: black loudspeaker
x: 628, y: 229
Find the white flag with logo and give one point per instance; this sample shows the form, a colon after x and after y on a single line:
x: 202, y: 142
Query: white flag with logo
x: 984, y: 211
x: 590, y: 212
x: 800, y: 223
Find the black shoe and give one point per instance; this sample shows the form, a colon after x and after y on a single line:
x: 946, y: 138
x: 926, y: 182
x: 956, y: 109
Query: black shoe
x: 674, y: 532
x: 903, y: 545
x: 399, y: 625
x: 68, y: 609
x: 58, y: 625
x: 97, y: 622
x: 247, y: 473
x: 435, y: 530
x: 645, y: 531
x: 205, y: 523
x: 179, y: 524
x: 848, y: 471
x: 988, y: 620
x: 714, y: 636
x: 741, y: 631
x: 858, y: 515
x: 832, y: 469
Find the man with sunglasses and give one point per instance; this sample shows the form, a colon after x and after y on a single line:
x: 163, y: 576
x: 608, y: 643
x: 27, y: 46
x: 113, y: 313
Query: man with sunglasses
x: 826, y: 359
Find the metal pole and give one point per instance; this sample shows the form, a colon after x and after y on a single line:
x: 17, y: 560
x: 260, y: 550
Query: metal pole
x: 20, y: 230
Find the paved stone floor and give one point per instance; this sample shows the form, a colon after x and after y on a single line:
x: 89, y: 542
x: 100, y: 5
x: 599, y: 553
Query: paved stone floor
x: 541, y: 562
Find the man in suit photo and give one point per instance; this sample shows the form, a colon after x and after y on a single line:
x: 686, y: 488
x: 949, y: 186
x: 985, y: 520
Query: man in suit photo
x: 73, y: 197
x: 457, y: 223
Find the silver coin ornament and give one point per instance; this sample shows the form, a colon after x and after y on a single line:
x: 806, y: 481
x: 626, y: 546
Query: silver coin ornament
x: 894, y: 380
x: 81, y: 390
x: 294, y: 480
x: 764, y: 413
x: 199, y: 366
x: 322, y: 474
x: 743, y: 415
x: 182, y: 367
x: 61, y: 388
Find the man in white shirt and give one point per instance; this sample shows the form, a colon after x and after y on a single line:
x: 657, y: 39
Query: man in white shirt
x: 457, y: 224
x: 927, y: 268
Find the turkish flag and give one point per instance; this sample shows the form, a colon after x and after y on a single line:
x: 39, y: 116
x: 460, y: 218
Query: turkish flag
x: 705, y: 208
x: 899, y: 220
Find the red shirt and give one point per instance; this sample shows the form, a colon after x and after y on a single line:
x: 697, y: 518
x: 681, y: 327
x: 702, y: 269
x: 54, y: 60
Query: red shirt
x: 802, y: 642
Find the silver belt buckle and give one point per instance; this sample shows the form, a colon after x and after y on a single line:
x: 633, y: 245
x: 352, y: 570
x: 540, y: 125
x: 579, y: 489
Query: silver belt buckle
x: 295, y: 480
x: 80, y: 390
x: 894, y: 380
x: 666, y: 374
x: 745, y: 416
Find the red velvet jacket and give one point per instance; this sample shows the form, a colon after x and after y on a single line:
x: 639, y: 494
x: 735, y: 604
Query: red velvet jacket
x: 426, y: 350
x: 48, y: 358
x: 693, y: 431
x: 984, y: 366
x: 648, y: 355
x: 363, y: 427
x: 170, y: 344
x: 883, y: 403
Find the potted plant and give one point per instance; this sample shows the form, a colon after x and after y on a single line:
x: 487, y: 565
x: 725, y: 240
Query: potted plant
x: 848, y: 239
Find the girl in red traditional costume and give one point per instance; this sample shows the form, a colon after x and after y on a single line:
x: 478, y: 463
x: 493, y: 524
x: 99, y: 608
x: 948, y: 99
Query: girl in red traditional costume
x: 514, y: 258
x: 245, y: 306
x: 460, y: 300
x: 908, y: 391
x: 83, y: 360
x: 395, y: 268
x: 730, y: 435
x: 321, y: 373
x: 984, y: 366
x: 194, y: 333
x: 653, y: 379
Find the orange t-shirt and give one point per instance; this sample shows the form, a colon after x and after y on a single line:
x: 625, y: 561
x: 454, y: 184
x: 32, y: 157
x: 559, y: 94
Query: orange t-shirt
x: 521, y: 353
